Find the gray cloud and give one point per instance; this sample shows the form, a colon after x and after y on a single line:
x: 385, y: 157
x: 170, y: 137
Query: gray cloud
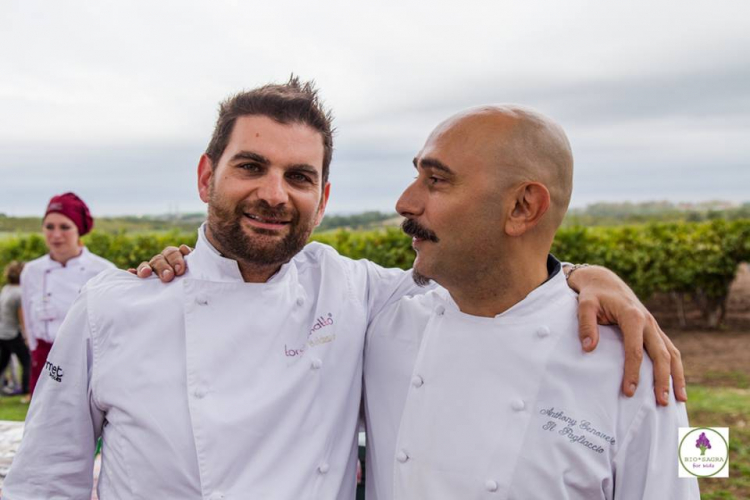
x: 117, y: 100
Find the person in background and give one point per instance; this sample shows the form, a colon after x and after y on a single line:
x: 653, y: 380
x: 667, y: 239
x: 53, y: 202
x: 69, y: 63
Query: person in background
x: 51, y: 283
x: 12, y: 339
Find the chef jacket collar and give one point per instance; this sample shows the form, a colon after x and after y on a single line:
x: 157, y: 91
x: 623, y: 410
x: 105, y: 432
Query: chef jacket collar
x: 554, y: 266
x: 53, y: 264
x: 553, y: 289
x: 207, y: 263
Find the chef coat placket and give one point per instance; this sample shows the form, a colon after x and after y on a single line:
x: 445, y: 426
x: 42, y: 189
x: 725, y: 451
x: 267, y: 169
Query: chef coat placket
x: 444, y: 406
x: 213, y: 339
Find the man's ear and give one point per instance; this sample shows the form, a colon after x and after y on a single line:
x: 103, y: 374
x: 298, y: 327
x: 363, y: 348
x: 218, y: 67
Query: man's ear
x: 205, y: 173
x: 532, y: 200
x: 323, y: 203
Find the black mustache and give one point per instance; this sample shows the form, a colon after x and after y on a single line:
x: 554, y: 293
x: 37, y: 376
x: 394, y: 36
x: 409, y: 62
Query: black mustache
x: 413, y: 228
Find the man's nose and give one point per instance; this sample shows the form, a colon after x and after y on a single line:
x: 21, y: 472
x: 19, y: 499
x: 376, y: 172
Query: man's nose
x: 410, y: 204
x: 273, y: 189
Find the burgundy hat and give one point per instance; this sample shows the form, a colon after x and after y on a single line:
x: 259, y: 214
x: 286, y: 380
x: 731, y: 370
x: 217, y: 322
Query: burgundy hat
x: 73, y: 208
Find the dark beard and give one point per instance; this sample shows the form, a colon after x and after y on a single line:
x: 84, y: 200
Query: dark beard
x: 225, y: 225
x: 420, y: 279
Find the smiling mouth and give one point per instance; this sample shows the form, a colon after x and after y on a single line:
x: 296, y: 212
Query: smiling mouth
x: 266, y: 223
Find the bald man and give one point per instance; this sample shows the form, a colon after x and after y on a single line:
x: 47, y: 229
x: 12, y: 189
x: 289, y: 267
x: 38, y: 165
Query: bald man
x: 479, y: 388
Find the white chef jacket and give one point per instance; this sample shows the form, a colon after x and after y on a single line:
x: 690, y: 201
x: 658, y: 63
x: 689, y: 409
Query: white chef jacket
x: 207, y: 387
x: 49, y: 289
x: 510, y: 407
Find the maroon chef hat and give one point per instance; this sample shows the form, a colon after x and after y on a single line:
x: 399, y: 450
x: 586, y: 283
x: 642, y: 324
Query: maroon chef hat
x: 73, y: 208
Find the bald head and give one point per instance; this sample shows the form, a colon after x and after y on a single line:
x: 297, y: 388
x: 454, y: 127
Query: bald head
x: 525, y: 146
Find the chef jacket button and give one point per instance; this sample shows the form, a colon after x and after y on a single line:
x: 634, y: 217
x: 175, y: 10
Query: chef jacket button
x: 216, y: 496
x: 417, y: 381
x: 300, y: 301
x: 201, y: 300
x: 323, y: 468
x: 402, y: 457
x: 440, y: 310
x: 542, y: 331
x: 316, y: 364
x: 491, y: 485
x: 518, y: 405
x: 199, y: 392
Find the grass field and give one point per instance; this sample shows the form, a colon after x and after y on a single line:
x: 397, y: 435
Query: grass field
x: 725, y: 407
x: 12, y: 409
x: 708, y: 406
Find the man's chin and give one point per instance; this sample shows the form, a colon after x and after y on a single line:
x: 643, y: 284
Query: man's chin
x: 419, y: 275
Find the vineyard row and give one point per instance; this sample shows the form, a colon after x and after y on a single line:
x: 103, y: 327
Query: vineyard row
x: 693, y: 262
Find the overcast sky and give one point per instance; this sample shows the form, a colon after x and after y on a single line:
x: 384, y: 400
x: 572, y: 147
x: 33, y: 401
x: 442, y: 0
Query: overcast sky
x: 116, y: 100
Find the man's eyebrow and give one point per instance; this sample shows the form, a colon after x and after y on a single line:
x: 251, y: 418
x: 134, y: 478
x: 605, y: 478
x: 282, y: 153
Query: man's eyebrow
x: 249, y: 155
x: 434, y: 164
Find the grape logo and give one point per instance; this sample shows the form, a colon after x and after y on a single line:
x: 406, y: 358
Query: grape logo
x: 703, y: 443
x: 703, y: 451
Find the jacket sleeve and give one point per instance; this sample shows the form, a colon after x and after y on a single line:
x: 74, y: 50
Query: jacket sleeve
x: 385, y: 286
x: 56, y: 457
x: 646, y: 464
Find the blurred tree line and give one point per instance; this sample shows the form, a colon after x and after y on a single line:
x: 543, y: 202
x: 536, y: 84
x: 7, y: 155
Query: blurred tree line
x: 187, y: 222
x: 615, y: 214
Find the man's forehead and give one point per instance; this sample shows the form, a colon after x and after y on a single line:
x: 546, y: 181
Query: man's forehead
x: 458, y: 151
x: 476, y: 136
x: 284, y: 142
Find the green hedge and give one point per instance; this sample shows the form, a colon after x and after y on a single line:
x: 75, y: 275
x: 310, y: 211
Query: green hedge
x: 696, y: 261
x: 124, y: 250
x: 691, y: 262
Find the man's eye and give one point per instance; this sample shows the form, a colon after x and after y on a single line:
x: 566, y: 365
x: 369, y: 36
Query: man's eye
x: 298, y: 177
x: 251, y: 167
x: 434, y: 180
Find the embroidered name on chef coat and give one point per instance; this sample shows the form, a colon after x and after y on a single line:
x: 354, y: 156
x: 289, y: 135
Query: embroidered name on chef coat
x: 315, y: 336
x: 577, y: 431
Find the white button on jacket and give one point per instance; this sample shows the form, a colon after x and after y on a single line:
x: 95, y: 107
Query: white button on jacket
x: 515, y: 409
x: 48, y: 290
x: 205, y: 384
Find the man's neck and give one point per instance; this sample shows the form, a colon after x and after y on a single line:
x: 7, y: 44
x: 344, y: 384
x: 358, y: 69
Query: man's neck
x: 64, y: 258
x: 251, y: 272
x: 501, y: 288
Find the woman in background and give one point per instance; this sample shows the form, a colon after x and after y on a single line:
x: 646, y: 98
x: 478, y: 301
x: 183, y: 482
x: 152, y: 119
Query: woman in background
x: 51, y: 283
x: 12, y: 339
